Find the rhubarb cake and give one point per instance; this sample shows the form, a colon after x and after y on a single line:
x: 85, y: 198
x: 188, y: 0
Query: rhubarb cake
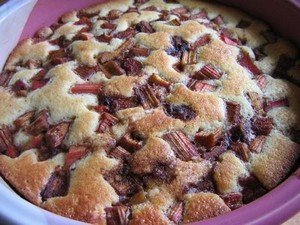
x: 149, y: 112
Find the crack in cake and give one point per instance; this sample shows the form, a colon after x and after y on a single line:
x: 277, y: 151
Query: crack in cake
x: 149, y: 112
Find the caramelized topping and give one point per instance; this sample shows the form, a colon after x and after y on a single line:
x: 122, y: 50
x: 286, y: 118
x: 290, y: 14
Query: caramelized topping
x: 75, y: 153
x: 24, y: 120
x: 257, y: 144
x: 233, y: 200
x: 262, y: 125
x: 208, y: 139
x: 87, y: 88
x: 146, y: 97
x: 40, y: 124
x: 196, y: 85
x: 55, y: 136
x: 129, y: 143
x: 120, y: 153
x: 117, y: 215
x: 181, y: 145
x: 144, y: 27
x: 269, y: 105
x: 189, y: 58
x: 242, y: 150
x: 156, y: 79
x: 182, y: 112
x: 57, y: 185
x: 132, y: 66
x: 175, y: 213
x: 245, y: 61
x: 107, y: 120
x: 207, y: 72
x: 233, y: 111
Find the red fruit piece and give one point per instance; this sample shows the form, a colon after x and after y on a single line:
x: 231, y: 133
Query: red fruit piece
x: 207, y: 72
x: 262, y: 125
x: 6, y: 143
x: 85, y: 21
x: 215, y: 152
x: 20, y: 87
x: 245, y: 61
x: 175, y: 213
x: 37, y: 84
x: 129, y: 33
x: 233, y: 200
x: 252, y: 189
x: 233, y: 111
x: 55, y: 136
x: 139, y: 52
x: 261, y: 81
x: 87, y: 88
x: 117, y: 103
x: 196, y: 85
x: 229, y: 40
x: 101, y: 108
x: 204, y: 40
x: 181, y: 145
x: 182, y: 112
x: 208, y: 139
x: 85, y: 71
x: 132, y: 66
x: 180, y: 10
x: 218, y: 20
x: 242, y: 150
x: 146, y: 96
x: 109, y: 26
x: 156, y: 79
x: 257, y: 144
x: 57, y: 185
x: 117, y: 215
x: 120, y: 153
x: 104, y: 38
x: 189, y: 58
x: 112, y: 68
x: 114, y: 14
x: 24, y: 120
x: 129, y: 143
x: 40, y: 124
x: 5, y: 77
x: 35, y: 142
x: 107, y: 120
x: 82, y: 37
x: 200, y: 15
x: 144, y: 27
x: 269, y: 105
x: 75, y: 153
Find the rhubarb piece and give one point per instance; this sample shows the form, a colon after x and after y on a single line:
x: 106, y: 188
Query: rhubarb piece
x: 196, y: 85
x: 120, y: 153
x: 114, y: 14
x: 147, y: 97
x: 61, y: 42
x: 117, y: 215
x: 233, y: 111
x: 6, y: 143
x: 20, y: 87
x: 207, y: 72
x: 116, y: 103
x: 40, y: 124
x: 215, y: 152
x: 109, y: 26
x: 174, y: 22
x: 5, y: 77
x: 256, y: 101
x: 129, y: 143
x: 84, y: 21
x: 257, y: 144
x: 182, y: 112
x: 156, y: 79
x: 262, y: 125
x: 139, y: 52
x: 87, y: 88
x: 55, y: 136
x: 24, y: 120
x: 112, y: 68
x: 189, y: 58
x: 75, y: 153
x: 57, y: 185
x: 37, y: 84
x: 132, y: 66
x: 233, y: 200
x: 144, y: 27
x: 45, y: 153
x: 104, y: 38
x: 35, y: 142
x: 101, y: 108
x: 175, y: 213
x: 269, y: 36
x: 129, y: 33
x: 228, y: 40
x: 200, y: 15
x: 269, y: 105
x: 208, y: 139
x: 218, y: 20
x: 261, y: 81
x: 82, y: 37
x: 252, y: 189
x: 150, y: 8
x: 284, y: 63
x: 181, y: 145
x: 242, y: 150
x: 12, y: 152
x: 179, y: 67
x: 243, y: 24
x: 204, y: 40
x: 245, y: 61
x: 58, y: 57
x: 85, y: 71
x: 107, y: 120
x: 179, y: 46
x: 180, y: 10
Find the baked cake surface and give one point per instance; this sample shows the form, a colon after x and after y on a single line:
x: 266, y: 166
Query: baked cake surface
x: 149, y: 112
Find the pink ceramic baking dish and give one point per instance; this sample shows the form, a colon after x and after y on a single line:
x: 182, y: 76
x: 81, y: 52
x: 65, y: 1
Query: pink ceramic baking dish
x: 273, y: 208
